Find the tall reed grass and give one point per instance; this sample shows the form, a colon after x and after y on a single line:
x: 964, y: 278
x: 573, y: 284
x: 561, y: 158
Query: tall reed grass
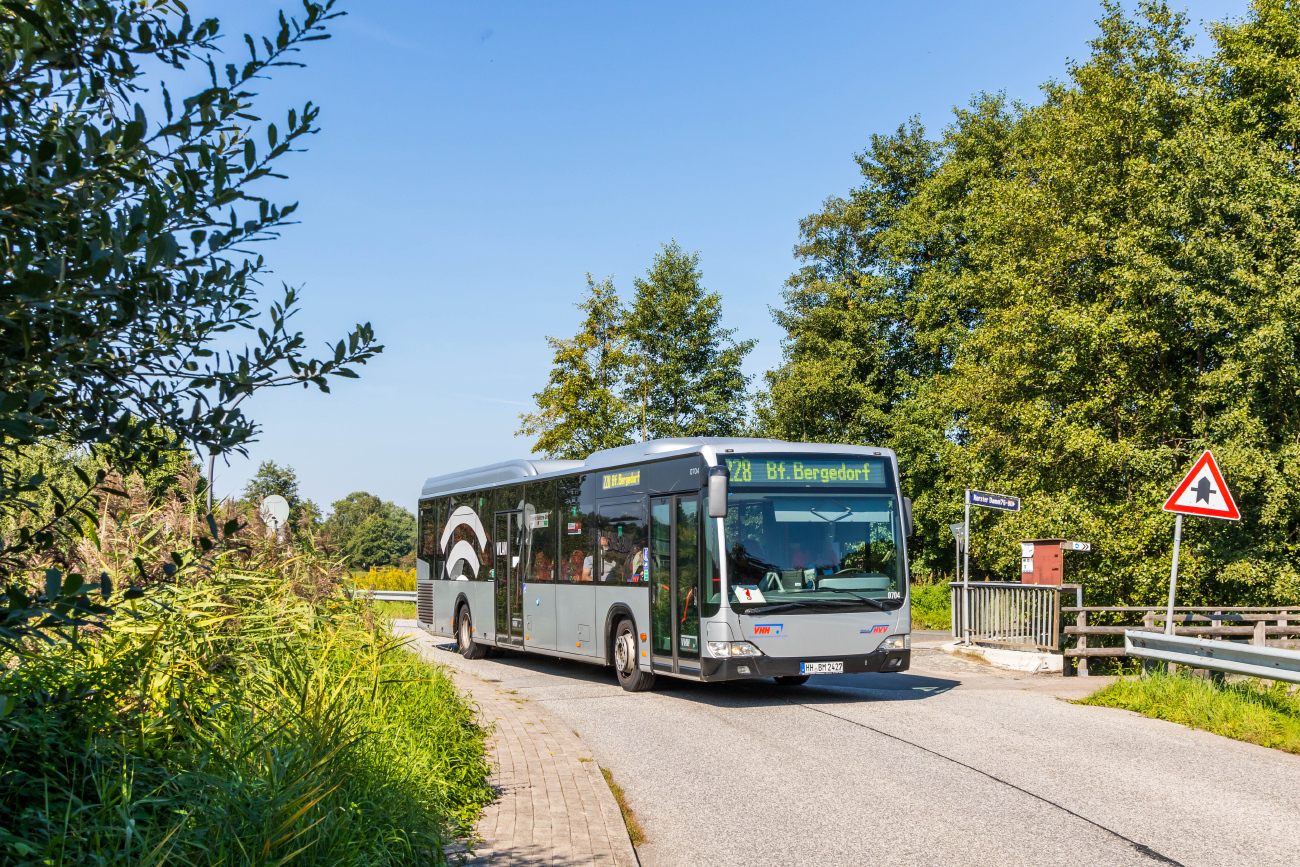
x: 237, y: 716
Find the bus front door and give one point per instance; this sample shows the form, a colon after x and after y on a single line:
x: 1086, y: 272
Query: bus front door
x: 509, y: 569
x: 674, y: 579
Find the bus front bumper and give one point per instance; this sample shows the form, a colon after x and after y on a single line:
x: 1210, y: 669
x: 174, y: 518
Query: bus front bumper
x: 774, y: 666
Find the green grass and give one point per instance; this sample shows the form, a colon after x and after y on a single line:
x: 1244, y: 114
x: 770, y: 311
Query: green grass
x: 235, y: 722
x: 635, y: 832
x: 1245, y: 710
x: 931, y: 608
x: 394, y: 610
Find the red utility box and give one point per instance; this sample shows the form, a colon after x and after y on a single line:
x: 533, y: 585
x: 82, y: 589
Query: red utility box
x: 1040, y: 561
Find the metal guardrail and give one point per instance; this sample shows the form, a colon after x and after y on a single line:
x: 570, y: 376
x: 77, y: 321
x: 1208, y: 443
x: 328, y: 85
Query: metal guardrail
x: 386, y: 595
x: 1272, y: 663
x: 1007, y: 613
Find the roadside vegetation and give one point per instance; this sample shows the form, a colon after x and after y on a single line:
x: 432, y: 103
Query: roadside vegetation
x: 1249, y: 710
x: 240, y: 712
x: 931, y: 607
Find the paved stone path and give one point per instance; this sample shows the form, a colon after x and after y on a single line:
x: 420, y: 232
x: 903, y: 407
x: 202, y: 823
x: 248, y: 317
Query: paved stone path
x: 554, y: 807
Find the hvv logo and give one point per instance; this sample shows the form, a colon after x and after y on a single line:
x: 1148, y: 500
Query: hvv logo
x: 767, y: 628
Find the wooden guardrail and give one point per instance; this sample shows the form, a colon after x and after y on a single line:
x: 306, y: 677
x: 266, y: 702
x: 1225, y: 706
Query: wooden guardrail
x: 1258, y: 625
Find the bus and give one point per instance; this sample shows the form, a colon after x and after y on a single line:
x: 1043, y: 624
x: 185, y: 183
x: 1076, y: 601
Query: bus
x: 703, y: 558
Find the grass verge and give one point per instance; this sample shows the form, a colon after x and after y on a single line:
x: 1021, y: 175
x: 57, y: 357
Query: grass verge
x: 393, y: 610
x: 1246, y: 710
x: 236, y: 721
x: 635, y: 832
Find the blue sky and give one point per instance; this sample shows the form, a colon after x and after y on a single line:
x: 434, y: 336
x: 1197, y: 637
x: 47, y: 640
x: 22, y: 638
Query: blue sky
x: 476, y: 160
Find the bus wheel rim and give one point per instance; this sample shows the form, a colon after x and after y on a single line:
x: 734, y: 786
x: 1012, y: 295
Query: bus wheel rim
x: 625, y: 653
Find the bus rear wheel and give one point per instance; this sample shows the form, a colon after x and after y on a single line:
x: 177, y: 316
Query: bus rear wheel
x: 630, y: 675
x: 791, y: 680
x: 465, y: 643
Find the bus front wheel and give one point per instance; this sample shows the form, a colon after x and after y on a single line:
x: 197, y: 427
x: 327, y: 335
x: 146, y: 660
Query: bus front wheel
x: 465, y: 643
x: 630, y: 675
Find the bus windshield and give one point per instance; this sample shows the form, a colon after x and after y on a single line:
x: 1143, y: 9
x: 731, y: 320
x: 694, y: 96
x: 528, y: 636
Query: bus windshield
x: 823, y: 550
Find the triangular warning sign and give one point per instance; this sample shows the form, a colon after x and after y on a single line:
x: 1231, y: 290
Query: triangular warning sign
x: 1202, y: 492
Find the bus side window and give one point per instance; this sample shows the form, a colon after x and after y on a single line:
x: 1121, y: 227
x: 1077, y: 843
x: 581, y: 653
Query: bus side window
x: 571, y: 524
x: 427, y: 529
x: 623, y: 544
x: 540, y: 532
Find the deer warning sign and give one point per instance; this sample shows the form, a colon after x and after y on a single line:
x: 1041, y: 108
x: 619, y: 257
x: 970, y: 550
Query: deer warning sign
x: 1202, y: 492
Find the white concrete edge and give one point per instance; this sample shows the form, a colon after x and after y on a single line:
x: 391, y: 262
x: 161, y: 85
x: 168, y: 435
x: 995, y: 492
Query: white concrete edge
x: 1012, y: 660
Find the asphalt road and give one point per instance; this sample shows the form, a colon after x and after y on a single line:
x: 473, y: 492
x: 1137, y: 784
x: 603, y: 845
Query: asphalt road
x: 951, y: 763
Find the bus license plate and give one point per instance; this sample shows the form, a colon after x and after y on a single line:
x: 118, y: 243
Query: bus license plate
x: 821, y: 668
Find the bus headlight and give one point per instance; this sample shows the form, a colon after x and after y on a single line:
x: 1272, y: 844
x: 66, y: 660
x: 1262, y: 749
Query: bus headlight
x: 723, y: 649
x: 896, y: 642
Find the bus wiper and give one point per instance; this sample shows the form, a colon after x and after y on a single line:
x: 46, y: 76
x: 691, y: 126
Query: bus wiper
x: 786, y: 606
x: 879, y: 606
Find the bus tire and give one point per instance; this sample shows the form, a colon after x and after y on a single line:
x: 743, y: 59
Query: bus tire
x: 465, y: 643
x: 626, y: 653
x: 791, y: 680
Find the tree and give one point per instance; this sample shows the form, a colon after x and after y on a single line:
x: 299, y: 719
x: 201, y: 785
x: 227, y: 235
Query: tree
x: 686, y: 375
x: 272, y: 479
x: 582, y: 408
x: 383, y: 539
x: 369, y: 531
x: 126, y: 244
x: 1098, y: 288
x: 849, y: 356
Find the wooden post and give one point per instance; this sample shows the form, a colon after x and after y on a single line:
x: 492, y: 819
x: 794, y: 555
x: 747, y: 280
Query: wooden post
x: 1081, y: 619
x: 1260, y: 638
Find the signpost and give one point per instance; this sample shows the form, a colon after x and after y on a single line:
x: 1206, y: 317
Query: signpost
x: 988, y: 500
x: 275, y: 512
x: 959, y: 536
x: 1201, y: 492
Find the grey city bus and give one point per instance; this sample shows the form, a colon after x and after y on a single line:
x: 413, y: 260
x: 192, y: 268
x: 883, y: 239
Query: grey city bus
x: 706, y: 558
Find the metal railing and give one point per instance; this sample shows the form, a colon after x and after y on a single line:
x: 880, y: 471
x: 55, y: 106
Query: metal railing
x: 1272, y: 663
x: 1256, y: 625
x: 386, y: 595
x: 1007, y: 613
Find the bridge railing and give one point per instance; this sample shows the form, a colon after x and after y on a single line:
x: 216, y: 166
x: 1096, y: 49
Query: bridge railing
x: 1021, y: 616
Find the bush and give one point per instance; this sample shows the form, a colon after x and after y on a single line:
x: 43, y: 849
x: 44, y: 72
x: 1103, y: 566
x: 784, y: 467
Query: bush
x: 386, y: 578
x: 242, y: 719
x: 931, y: 607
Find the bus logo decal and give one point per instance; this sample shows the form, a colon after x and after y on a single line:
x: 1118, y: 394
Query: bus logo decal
x: 620, y: 480
x: 771, y: 629
x: 463, y: 551
x: 874, y: 630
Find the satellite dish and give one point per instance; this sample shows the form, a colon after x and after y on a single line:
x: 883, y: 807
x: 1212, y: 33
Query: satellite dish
x: 275, y: 511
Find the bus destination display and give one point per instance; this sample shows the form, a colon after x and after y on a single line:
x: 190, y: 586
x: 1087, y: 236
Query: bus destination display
x: 799, y: 472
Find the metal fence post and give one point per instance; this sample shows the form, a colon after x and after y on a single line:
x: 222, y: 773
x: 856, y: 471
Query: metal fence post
x: 965, y: 591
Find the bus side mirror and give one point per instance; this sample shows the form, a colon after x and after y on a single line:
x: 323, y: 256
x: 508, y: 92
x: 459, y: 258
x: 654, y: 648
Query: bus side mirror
x: 719, y: 478
x: 907, y: 516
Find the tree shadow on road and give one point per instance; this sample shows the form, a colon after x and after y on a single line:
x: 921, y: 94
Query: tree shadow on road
x: 827, y: 689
